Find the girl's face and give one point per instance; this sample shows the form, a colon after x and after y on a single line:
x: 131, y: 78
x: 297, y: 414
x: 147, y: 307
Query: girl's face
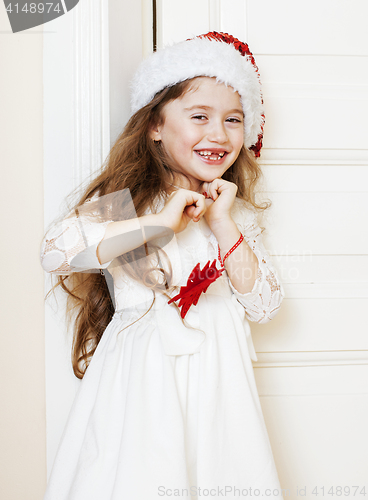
x: 202, y: 131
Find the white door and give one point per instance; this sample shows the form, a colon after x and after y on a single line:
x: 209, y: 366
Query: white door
x: 312, y: 369
x: 312, y: 372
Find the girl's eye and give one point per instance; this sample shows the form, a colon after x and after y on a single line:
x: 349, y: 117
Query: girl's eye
x: 199, y: 117
x: 234, y: 120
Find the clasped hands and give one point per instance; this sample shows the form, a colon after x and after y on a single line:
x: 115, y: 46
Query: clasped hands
x: 213, y: 201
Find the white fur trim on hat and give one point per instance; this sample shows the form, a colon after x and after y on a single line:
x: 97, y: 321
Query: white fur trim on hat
x: 202, y: 57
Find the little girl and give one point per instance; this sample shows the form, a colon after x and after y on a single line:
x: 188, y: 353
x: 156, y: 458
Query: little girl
x: 168, y: 404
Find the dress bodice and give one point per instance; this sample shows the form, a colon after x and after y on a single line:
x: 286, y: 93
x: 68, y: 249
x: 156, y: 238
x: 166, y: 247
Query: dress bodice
x: 71, y: 246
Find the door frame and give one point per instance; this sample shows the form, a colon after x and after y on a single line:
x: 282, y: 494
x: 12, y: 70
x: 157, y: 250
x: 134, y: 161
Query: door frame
x: 86, y: 103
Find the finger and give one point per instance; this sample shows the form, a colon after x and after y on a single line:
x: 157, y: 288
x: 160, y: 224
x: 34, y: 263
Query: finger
x: 182, y: 199
x: 192, y: 197
x: 219, y: 185
x: 213, y: 189
x: 191, y: 213
x: 209, y: 202
x: 189, y: 210
x: 204, y: 189
x: 200, y: 208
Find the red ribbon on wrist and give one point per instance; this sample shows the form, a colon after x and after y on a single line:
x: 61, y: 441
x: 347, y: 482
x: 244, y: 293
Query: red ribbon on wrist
x: 231, y: 250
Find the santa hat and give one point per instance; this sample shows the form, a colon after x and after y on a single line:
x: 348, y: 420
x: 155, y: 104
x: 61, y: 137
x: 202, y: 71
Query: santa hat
x: 216, y: 55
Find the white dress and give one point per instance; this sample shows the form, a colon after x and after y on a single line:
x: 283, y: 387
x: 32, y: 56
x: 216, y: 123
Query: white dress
x: 165, y: 410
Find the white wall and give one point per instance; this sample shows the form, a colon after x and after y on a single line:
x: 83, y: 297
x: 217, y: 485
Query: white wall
x: 22, y: 355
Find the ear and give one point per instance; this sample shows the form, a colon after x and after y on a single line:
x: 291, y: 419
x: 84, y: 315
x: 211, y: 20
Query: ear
x: 155, y: 133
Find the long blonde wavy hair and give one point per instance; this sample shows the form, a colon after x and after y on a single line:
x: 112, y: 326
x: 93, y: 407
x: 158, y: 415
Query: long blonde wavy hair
x: 137, y: 163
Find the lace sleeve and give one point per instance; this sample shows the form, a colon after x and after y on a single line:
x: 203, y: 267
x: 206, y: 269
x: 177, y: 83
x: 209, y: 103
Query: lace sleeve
x: 264, y: 301
x: 70, y: 245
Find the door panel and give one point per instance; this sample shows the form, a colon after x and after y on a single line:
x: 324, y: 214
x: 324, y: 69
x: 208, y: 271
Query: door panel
x: 312, y: 369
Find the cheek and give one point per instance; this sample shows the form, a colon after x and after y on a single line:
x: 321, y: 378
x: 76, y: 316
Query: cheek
x: 239, y: 141
x: 177, y: 145
x: 186, y: 141
x: 179, y: 137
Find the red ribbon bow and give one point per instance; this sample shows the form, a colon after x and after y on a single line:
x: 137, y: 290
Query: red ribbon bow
x: 198, y: 282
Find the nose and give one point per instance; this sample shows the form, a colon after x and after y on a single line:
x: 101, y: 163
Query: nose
x: 217, y: 132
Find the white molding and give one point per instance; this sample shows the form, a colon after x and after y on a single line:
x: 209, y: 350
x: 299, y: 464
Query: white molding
x: 273, y: 156
x: 159, y: 21
x: 76, y: 141
x: 338, y: 92
x: 91, y: 88
x: 332, y: 178
x: 315, y: 162
x: 310, y: 358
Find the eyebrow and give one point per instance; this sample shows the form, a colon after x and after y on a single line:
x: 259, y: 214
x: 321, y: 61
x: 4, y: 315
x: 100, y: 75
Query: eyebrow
x: 197, y: 106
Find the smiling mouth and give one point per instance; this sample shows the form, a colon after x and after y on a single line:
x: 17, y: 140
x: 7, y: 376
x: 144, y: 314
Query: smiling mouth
x: 212, y: 155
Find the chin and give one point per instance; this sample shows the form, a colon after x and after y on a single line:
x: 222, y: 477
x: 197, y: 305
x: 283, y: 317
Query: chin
x: 212, y: 178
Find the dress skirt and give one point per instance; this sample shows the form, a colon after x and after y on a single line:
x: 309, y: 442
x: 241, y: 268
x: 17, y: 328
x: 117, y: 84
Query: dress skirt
x: 146, y: 424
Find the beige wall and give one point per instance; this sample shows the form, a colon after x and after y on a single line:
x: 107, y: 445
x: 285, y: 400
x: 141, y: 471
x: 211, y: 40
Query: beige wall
x: 22, y: 360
